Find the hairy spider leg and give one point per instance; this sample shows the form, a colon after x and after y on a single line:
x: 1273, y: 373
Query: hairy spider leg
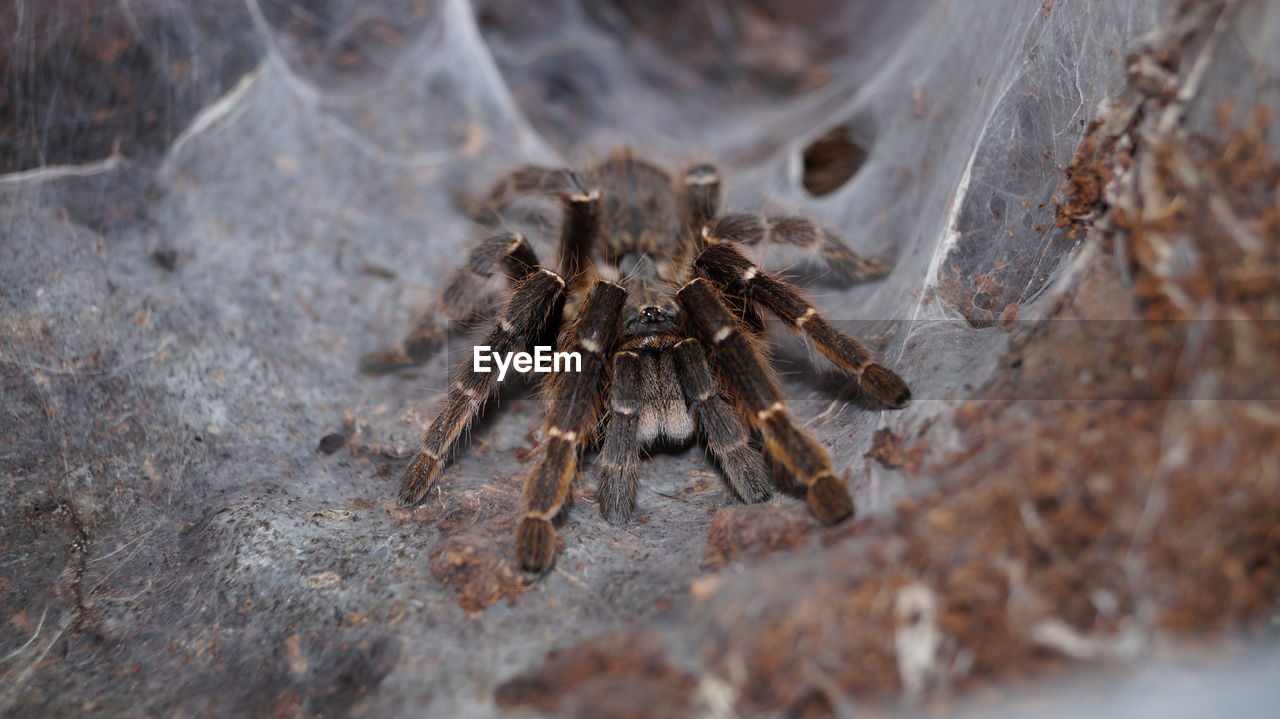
x: 533, y: 300
x: 756, y: 230
x: 574, y: 408
x: 463, y: 296
x: 533, y: 180
x: 699, y: 198
x: 723, y: 432
x: 578, y: 233
x: 732, y: 272
x: 743, y: 373
x: 617, y: 468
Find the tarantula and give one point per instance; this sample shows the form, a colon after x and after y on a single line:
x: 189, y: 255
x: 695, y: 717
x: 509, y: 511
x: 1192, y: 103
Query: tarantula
x: 664, y: 309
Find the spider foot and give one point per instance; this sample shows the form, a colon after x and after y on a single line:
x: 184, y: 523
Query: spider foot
x: 535, y: 544
x: 384, y: 362
x: 885, y: 385
x: 418, y: 478
x: 617, y: 505
x: 747, y: 474
x: 847, y: 266
x: 829, y: 500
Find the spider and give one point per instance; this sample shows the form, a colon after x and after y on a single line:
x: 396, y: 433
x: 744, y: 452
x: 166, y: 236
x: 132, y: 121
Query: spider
x: 656, y: 295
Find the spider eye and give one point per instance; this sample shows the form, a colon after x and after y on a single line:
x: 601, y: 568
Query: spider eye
x: 653, y: 314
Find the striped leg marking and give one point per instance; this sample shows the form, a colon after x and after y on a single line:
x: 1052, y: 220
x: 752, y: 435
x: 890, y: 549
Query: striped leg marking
x: 526, y: 312
x: 797, y: 232
x: 575, y: 401
x: 723, y: 432
x: 617, y: 467
x: 742, y: 371
x: 732, y: 272
x: 466, y: 293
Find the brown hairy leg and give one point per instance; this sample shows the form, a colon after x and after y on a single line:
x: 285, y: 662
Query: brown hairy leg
x: 744, y: 373
x: 723, y: 432
x: 533, y: 180
x: 508, y: 252
x: 754, y: 230
x: 617, y: 468
x: 574, y: 406
x: 733, y: 273
x: 532, y: 301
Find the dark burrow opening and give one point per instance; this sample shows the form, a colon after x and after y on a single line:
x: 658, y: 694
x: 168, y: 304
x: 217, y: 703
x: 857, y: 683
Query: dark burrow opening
x: 831, y: 161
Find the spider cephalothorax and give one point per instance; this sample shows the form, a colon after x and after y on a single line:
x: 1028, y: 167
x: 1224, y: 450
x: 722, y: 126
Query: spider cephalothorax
x: 664, y: 310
